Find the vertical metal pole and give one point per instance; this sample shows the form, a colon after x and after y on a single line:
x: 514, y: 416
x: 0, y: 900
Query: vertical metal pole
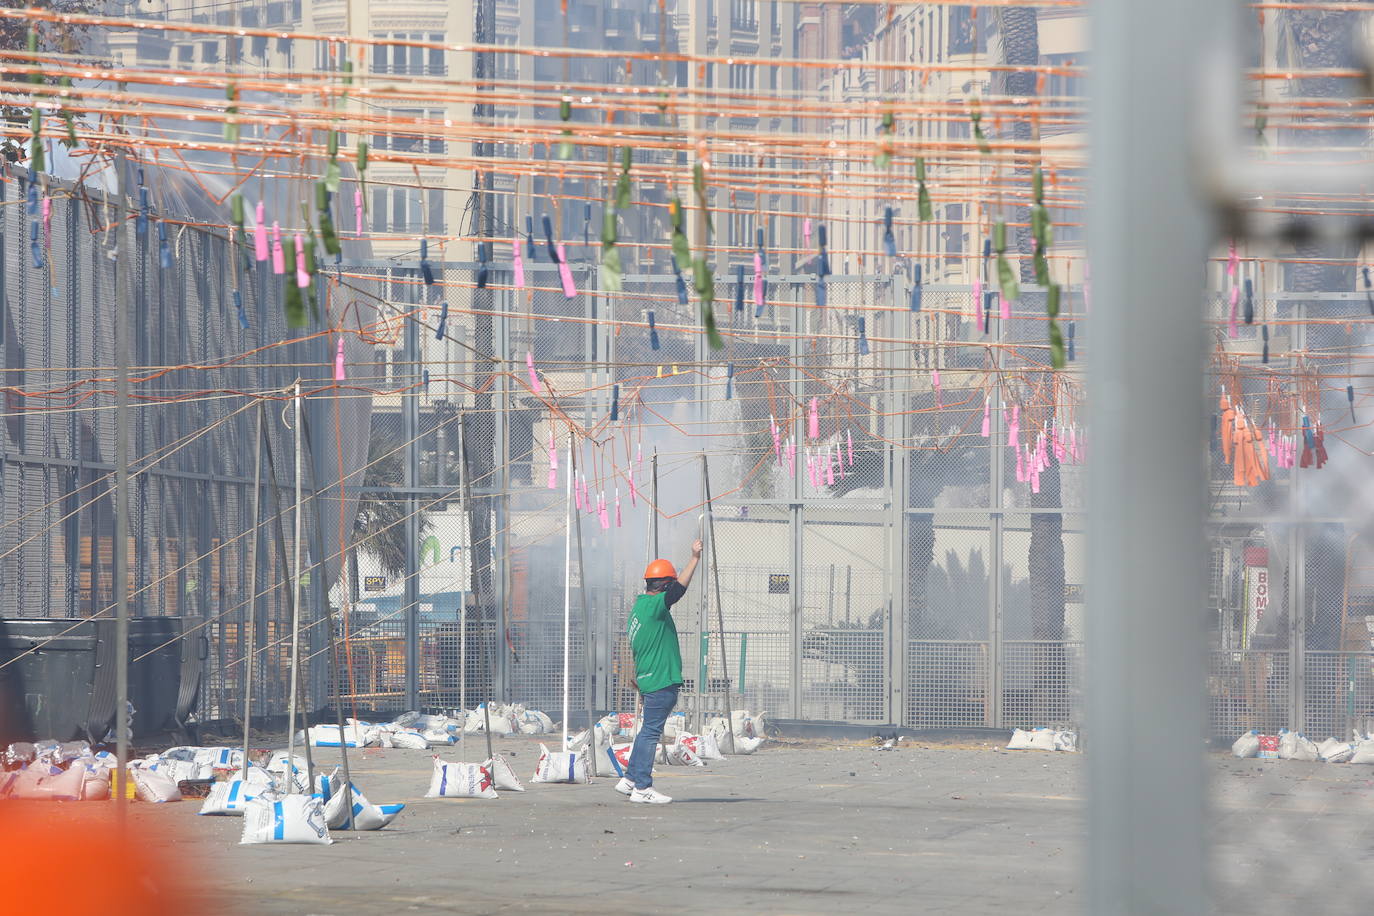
x: 250, y: 631
x: 1145, y: 850
x: 897, y: 483
x: 466, y: 512
x: 653, y: 506
x: 996, y: 678
x: 589, y: 665
x: 720, y: 607
x: 125, y: 274
x: 567, y: 584
x: 295, y: 603
x: 410, y: 432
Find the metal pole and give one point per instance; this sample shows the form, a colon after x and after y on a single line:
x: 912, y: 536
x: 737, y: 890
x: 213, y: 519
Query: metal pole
x: 410, y: 431
x: 1145, y: 850
x: 465, y: 507
x: 567, y: 582
x: 653, y: 505
x: 250, y: 634
x: 720, y: 608
x: 295, y: 603
x: 589, y: 662
x: 124, y: 270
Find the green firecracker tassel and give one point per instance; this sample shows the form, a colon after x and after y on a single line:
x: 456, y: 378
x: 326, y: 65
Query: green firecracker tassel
x: 883, y: 158
x: 924, y: 209
x: 565, y: 147
x: 622, y: 184
x: 37, y: 162
x: 1006, y: 277
x: 236, y: 211
x: 706, y: 291
x: 611, y: 269
x: 1056, y: 336
x: 699, y: 186
x: 976, y: 117
x: 293, y: 306
x: 231, y: 114
x: 682, y: 253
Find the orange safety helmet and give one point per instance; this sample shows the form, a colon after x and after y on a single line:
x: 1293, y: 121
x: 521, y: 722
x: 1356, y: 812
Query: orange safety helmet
x: 660, y: 569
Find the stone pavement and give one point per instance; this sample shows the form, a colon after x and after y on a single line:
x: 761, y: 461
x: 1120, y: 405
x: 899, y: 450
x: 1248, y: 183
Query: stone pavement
x: 797, y: 828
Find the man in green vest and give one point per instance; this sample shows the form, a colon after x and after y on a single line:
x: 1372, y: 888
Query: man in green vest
x: 658, y: 670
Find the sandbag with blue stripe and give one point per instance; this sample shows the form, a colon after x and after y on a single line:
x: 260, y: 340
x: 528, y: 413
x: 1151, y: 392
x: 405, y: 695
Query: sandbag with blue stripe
x: 285, y: 819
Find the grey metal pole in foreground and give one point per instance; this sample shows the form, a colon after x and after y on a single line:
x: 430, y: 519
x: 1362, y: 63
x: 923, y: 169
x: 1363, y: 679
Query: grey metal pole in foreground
x: 1147, y: 486
x: 127, y: 249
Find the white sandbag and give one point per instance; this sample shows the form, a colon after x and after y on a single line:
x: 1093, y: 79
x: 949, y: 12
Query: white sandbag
x: 153, y: 786
x: 1247, y: 745
x: 366, y: 816
x: 25, y: 783
x: 1333, y: 750
x: 410, y: 740
x: 682, y: 755
x: 704, y: 746
x: 502, y: 775
x: 175, y: 770
x: 437, y: 736
x: 561, y: 766
x: 285, y: 819
x: 619, y: 756
x: 1293, y: 746
x: 1066, y: 741
x: 353, y: 736
x: 544, y: 721
x: 221, y: 758
x: 65, y: 785
x: 1037, y: 739
x: 230, y: 797
x: 95, y: 784
x: 1363, y: 753
x: 747, y: 745
x: 460, y: 780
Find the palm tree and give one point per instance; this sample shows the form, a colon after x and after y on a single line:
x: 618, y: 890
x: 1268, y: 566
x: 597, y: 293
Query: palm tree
x: 379, y: 525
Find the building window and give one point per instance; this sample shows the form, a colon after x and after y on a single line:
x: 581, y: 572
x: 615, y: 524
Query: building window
x: 742, y: 76
x: 406, y: 59
x: 407, y: 210
x: 412, y: 131
x: 744, y: 15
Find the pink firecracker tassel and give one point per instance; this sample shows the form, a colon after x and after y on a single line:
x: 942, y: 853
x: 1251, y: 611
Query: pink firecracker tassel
x: 758, y: 281
x: 1006, y: 307
x: 791, y: 458
x: 1020, y: 467
x: 777, y: 441
x: 602, y: 514
x: 534, y: 376
x: 278, y: 258
x: 565, y: 274
x: 617, y: 507
x: 1232, y: 260
x: 849, y: 441
x: 339, y: 360
x: 829, y: 474
x: 47, y: 221
x: 519, y: 265
x: 633, y: 494
x: 358, y: 212
x: 260, y: 248
x: 814, y: 423
x: 978, y: 303
x: 987, y: 416
x: 553, y: 479
x: 302, y: 278
x: 935, y: 384
x: 806, y: 232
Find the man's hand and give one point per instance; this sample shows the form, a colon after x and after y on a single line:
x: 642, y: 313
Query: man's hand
x: 696, y: 547
x: 685, y: 577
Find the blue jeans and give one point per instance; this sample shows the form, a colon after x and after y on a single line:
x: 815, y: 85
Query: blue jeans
x: 657, y: 706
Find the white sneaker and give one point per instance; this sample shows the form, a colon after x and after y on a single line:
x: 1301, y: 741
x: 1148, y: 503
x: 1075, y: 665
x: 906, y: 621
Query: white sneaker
x: 649, y: 796
x: 625, y: 786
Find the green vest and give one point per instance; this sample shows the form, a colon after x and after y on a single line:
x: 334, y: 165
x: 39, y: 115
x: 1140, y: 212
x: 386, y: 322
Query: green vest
x: 653, y: 640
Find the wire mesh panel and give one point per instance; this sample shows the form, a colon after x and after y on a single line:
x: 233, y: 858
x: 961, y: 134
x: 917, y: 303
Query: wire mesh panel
x: 754, y: 545
x: 844, y: 614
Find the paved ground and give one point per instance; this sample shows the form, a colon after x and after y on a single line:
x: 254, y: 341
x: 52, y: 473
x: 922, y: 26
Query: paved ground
x: 814, y: 828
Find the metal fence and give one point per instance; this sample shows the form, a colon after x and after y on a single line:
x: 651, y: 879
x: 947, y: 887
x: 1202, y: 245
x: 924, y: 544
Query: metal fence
x: 931, y: 583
